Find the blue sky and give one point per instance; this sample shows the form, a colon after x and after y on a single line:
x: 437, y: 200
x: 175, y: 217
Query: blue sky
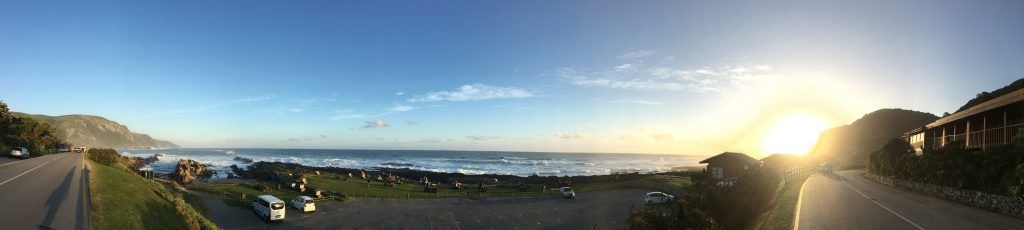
x: 689, y: 77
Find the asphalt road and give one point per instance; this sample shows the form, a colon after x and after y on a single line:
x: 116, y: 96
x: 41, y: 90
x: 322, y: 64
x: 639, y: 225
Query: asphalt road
x: 847, y: 200
x: 46, y: 192
x: 591, y: 210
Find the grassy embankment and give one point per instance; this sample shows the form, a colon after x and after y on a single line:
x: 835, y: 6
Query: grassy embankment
x: 780, y: 216
x: 121, y: 199
x: 359, y: 188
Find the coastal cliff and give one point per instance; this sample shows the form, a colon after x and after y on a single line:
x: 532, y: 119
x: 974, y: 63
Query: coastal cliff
x: 98, y: 132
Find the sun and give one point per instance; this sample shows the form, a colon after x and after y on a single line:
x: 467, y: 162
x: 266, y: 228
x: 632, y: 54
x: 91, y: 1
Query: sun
x: 793, y: 134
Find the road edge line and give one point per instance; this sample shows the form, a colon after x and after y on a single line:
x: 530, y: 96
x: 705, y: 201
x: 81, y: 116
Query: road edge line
x: 799, y: 200
x: 87, y: 193
x: 880, y: 204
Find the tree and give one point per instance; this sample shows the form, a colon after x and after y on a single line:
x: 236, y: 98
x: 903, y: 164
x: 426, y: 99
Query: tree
x: 39, y: 137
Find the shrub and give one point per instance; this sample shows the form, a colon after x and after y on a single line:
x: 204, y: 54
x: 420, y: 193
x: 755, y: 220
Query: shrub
x: 108, y: 157
x: 999, y: 169
x: 732, y: 207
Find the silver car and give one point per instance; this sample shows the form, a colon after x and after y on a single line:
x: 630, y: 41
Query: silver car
x: 19, y: 152
x: 567, y: 192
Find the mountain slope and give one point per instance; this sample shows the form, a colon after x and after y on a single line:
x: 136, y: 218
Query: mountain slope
x: 96, y: 131
x: 850, y: 143
x: 986, y: 96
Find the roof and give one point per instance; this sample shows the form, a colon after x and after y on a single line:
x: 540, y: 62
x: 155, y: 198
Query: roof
x: 731, y: 156
x: 1015, y: 96
x: 270, y: 198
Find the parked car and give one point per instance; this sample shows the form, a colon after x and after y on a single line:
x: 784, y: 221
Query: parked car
x: 658, y: 198
x: 567, y: 192
x: 19, y: 152
x: 268, y: 207
x: 304, y: 204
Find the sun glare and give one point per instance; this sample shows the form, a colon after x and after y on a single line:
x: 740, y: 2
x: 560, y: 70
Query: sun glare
x: 793, y: 134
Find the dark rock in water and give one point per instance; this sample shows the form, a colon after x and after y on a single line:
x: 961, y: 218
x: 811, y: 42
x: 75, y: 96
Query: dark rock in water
x: 244, y: 160
x: 285, y: 173
x: 189, y: 170
x: 136, y: 163
x: 393, y: 164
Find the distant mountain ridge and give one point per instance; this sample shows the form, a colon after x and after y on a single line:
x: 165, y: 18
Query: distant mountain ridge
x: 850, y: 143
x: 96, y: 131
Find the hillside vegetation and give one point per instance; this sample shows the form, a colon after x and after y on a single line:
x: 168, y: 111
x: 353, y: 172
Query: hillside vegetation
x: 851, y: 143
x: 39, y: 138
x: 986, y: 96
x: 121, y: 199
x: 998, y: 169
x: 98, y: 132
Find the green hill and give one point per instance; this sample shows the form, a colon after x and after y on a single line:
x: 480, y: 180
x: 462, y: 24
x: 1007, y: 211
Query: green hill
x: 98, y: 132
x: 850, y: 143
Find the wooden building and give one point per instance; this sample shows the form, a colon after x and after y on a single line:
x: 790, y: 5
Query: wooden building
x: 995, y: 121
x: 728, y: 165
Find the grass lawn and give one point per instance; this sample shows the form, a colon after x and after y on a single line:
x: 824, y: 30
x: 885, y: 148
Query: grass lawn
x: 124, y: 200
x: 671, y: 184
x: 232, y: 193
x: 359, y: 188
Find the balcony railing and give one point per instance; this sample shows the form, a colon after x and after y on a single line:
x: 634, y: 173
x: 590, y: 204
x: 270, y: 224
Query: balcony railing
x: 977, y: 139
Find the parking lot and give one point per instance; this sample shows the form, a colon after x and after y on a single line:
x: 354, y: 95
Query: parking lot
x: 603, y: 210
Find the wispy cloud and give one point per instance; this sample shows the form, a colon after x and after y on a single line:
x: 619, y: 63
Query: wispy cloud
x: 375, y: 124
x: 571, y: 136
x: 636, y: 54
x: 639, y: 102
x: 434, y: 140
x: 213, y: 106
x: 720, y: 79
x: 400, y: 108
x: 346, y: 114
x: 474, y: 92
x: 481, y: 138
x: 662, y: 136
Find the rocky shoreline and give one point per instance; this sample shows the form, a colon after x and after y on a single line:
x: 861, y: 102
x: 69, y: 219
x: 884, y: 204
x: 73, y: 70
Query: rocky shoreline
x: 277, y: 171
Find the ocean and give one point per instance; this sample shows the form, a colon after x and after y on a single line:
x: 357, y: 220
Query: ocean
x: 466, y: 162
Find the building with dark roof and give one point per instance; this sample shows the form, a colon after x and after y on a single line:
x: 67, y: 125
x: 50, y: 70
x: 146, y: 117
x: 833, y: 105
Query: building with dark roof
x: 995, y: 121
x: 728, y: 165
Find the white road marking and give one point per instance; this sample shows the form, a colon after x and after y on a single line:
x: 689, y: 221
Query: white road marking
x: 19, y: 175
x: 880, y: 204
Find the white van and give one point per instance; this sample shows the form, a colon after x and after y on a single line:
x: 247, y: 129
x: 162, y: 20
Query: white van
x: 268, y: 207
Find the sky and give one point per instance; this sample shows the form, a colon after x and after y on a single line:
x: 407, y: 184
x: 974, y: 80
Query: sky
x: 680, y: 77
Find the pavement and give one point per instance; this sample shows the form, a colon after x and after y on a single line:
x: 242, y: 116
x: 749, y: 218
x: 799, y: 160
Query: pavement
x: 847, y: 200
x: 591, y: 210
x: 46, y: 192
